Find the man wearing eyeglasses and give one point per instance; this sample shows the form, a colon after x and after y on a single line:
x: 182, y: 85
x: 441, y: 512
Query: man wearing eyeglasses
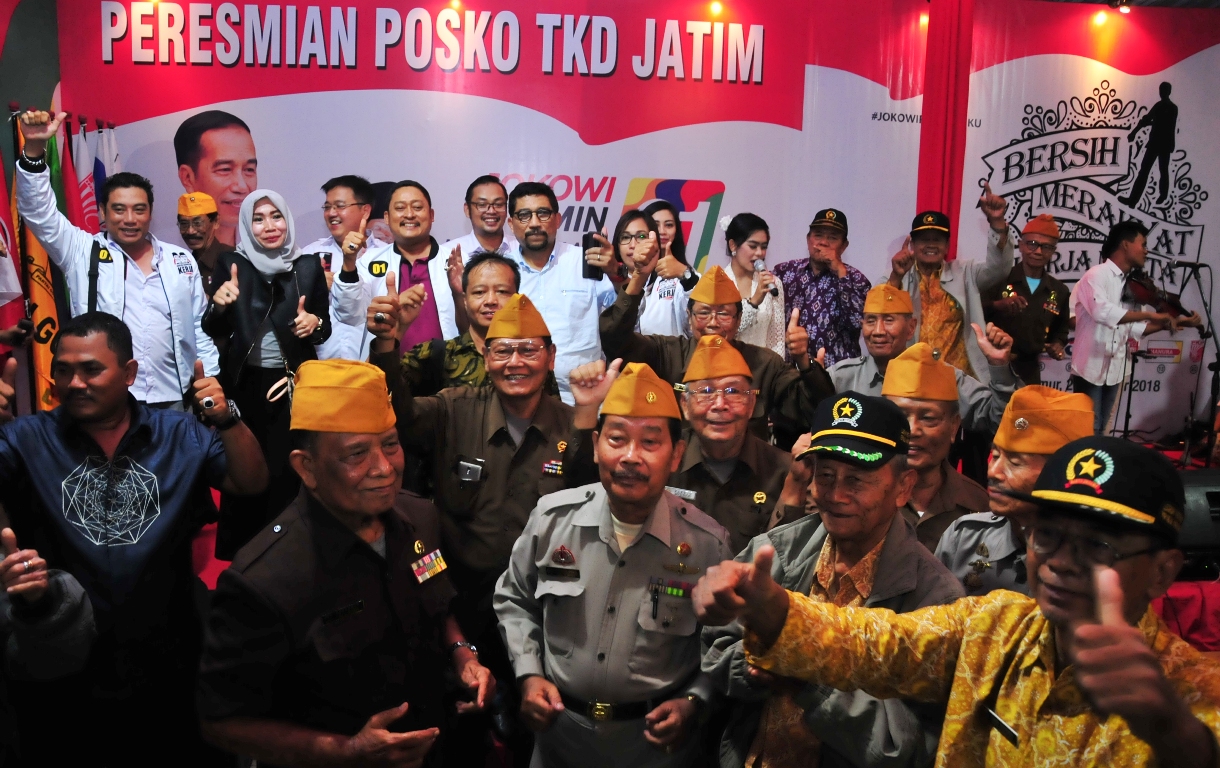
x: 197, y: 223
x: 727, y: 472
x: 487, y: 208
x: 349, y: 201
x: 552, y: 276
x: 1081, y: 673
x: 494, y: 450
x: 1031, y: 305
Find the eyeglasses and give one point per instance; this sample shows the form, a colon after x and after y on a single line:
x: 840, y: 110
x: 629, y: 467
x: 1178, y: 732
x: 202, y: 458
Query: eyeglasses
x: 705, y: 315
x: 627, y: 237
x: 732, y: 395
x: 544, y: 215
x: 1046, y: 540
x: 196, y: 224
x: 502, y: 351
x: 339, y: 207
x: 1034, y: 245
x: 497, y: 206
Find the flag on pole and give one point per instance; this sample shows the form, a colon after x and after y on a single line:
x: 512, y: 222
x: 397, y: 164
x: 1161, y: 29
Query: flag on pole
x: 12, y: 304
x: 82, y: 160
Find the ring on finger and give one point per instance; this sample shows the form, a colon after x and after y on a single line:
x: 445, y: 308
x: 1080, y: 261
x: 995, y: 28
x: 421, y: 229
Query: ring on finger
x: 28, y: 565
x: 208, y: 403
x: 379, y: 317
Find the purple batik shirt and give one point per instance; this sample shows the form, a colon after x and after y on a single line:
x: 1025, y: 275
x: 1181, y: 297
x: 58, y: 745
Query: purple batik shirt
x: 832, y: 307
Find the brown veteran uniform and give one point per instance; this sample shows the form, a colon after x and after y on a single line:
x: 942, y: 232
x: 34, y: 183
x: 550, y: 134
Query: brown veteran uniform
x: 959, y: 495
x: 785, y: 394
x: 311, y: 624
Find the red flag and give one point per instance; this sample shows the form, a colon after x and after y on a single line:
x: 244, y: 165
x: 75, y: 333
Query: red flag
x: 75, y: 212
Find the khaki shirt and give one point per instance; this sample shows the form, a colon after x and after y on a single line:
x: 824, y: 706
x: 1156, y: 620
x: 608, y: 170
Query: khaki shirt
x: 958, y: 495
x: 981, y: 405
x: 585, y: 617
x: 746, y: 502
x: 984, y: 552
x: 785, y: 394
x: 480, y: 519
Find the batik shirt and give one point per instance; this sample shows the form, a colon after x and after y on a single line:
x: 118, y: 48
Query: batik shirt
x: 954, y: 654
x: 943, y: 323
x: 832, y: 307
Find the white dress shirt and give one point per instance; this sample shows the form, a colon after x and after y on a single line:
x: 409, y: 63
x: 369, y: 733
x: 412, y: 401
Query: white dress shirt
x: 147, y: 308
x: 1099, y: 352
x: 570, y: 304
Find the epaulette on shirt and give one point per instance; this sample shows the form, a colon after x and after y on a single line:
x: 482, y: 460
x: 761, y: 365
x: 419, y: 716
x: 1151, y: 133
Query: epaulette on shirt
x: 697, y: 517
x: 847, y: 362
x: 567, y: 499
x: 258, y: 546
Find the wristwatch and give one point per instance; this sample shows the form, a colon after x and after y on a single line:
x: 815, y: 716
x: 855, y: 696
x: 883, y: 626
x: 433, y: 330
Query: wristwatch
x: 464, y: 644
x: 233, y: 420
x: 687, y: 274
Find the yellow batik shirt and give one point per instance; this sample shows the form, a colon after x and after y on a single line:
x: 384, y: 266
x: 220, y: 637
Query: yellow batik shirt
x: 942, y: 322
x: 953, y: 654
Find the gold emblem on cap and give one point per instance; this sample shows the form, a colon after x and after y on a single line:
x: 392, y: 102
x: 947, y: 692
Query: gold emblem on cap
x: 830, y: 215
x: 760, y: 497
x: 847, y: 410
x: 683, y: 549
x: 936, y: 354
x: 651, y: 397
x: 563, y: 446
x: 1022, y: 423
x: 419, y: 547
x: 929, y: 219
x: 716, y: 341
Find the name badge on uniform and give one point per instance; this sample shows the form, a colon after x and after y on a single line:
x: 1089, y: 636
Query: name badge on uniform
x: 428, y: 566
x: 681, y: 493
x: 553, y: 467
x: 185, y: 264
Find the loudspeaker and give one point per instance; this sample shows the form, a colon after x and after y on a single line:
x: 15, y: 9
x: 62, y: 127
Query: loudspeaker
x: 1200, y: 535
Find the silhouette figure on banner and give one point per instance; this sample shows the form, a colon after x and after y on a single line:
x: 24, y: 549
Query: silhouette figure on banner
x: 1163, y: 118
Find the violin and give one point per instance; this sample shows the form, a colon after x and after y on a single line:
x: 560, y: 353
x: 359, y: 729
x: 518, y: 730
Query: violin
x: 1142, y: 290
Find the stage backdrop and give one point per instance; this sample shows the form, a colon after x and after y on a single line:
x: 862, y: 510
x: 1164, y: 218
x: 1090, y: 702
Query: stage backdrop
x: 1095, y: 116
x: 747, y: 105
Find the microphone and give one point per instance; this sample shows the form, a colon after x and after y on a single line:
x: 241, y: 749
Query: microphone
x: 759, y: 266
x: 1195, y: 265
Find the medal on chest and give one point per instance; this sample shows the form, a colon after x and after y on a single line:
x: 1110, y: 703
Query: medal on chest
x: 428, y: 566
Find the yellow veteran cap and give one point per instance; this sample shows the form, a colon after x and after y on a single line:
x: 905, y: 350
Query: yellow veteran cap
x: 714, y: 357
x: 716, y: 287
x: 916, y: 373
x: 1042, y: 420
x: 196, y: 204
x: 518, y: 319
x: 640, y: 393
x: 885, y: 299
x: 341, y: 396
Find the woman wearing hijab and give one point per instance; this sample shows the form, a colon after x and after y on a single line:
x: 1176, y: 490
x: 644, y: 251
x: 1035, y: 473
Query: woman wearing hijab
x: 272, y: 308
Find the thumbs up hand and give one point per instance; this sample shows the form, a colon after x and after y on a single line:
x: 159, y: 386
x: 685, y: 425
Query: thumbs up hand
x: 797, y: 340
x: 305, y: 323
x: 8, y: 390
x: 23, y: 573
x: 383, y: 314
x: 208, y: 397
x: 745, y: 591
x: 994, y: 343
x: 354, y: 242
x: 228, y: 292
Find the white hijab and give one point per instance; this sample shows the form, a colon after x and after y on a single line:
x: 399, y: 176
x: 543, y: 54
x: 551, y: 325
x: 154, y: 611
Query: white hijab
x: 269, y: 262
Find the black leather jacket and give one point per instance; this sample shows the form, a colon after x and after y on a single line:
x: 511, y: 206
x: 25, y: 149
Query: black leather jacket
x: 240, y: 322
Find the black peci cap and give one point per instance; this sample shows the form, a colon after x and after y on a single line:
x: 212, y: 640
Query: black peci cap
x: 830, y: 217
x: 934, y: 221
x: 859, y: 429
x: 1113, y: 481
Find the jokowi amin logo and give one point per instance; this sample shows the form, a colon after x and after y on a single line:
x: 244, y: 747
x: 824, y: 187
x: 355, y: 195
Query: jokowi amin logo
x: 698, y: 204
x: 1095, y: 160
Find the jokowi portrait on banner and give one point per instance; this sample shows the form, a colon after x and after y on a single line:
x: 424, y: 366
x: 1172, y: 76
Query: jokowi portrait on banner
x: 215, y: 154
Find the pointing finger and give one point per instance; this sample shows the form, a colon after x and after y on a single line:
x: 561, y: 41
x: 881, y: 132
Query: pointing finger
x: 1108, y: 596
x: 906, y: 245
x: 987, y: 189
x: 9, y: 540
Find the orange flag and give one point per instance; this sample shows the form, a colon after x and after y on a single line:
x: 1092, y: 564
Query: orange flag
x: 41, y: 294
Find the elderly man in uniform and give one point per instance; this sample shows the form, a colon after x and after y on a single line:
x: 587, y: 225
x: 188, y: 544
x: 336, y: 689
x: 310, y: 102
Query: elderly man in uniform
x: 595, y: 605
x: 330, y: 633
x: 864, y: 553
x: 494, y: 450
x: 926, y: 390
x: 787, y: 396
x: 889, y: 324
x: 1032, y: 305
x: 727, y: 471
x: 197, y: 217
x: 1081, y: 673
x: 986, y: 550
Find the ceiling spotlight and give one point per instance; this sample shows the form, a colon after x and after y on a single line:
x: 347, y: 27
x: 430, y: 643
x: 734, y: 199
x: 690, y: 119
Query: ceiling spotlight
x: 1122, y: 6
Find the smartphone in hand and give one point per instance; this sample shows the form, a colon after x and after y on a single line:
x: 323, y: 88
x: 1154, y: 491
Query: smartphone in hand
x: 590, y: 271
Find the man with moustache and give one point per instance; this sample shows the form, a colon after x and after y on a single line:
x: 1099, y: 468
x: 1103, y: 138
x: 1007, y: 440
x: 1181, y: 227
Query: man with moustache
x: 1081, y: 673
x: 986, y: 550
x: 552, y: 275
x: 595, y: 605
x: 890, y: 323
x: 349, y: 202
x: 486, y: 206
x: 215, y: 154
x: 786, y: 393
x: 197, y: 224
x: 350, y: 671
x: 413, y: 260
x: 113, y: 492
x: 861, y: 553
x: 1107, y: 322
x: 1031, y: 305
x: 926, y: 390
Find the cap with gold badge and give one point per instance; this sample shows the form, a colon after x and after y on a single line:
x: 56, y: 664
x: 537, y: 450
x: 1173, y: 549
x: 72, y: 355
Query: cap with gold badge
x: 885, y: 299
x: 640, y: 393
x: 193, y: 204
x: 830, y: 217
x: 518, y: 319
x: 930, y: 221
x: 918, y: 374
x: 859, y: 429
x: 1042, y: 420
x: 715, y: 287
x: 341, y: 396
x: 713, y: 358
x: 1113, y: 481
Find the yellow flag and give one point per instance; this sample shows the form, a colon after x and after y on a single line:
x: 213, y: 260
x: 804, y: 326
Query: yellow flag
x: 41, y: 295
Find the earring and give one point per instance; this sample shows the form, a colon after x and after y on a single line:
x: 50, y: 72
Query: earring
x: 732, y: 254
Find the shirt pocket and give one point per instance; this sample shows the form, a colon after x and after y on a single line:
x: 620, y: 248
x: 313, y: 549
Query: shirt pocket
x: 665, y: 644
x: 576, y: 328
x: 563, y: 614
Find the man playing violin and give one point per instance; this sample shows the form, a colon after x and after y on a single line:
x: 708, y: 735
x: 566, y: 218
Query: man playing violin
x: 1107, y: 318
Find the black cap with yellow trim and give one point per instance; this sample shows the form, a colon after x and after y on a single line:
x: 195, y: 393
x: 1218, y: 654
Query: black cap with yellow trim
x: 930, y: 221
x: 1114, y: 481
x: 859, y: 429
x: 830, y: 217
